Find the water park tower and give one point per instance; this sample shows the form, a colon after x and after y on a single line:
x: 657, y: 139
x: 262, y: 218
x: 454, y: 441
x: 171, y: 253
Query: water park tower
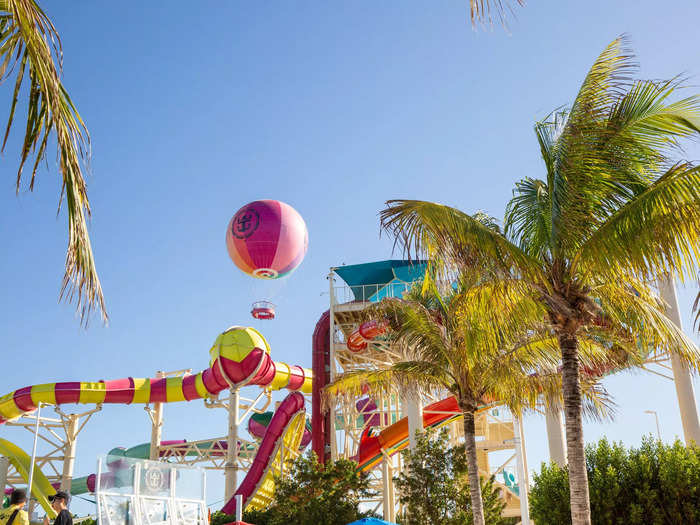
x: 373, y: 429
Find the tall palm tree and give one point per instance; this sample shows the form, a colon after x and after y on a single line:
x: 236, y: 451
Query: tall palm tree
x: 612, y: 213
x: 30, y: 51
x: 463, y: 343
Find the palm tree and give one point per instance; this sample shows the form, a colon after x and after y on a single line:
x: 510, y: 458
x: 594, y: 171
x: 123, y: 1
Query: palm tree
x: 463, y: 343
x: 612, y: 213
x: 31, y: 52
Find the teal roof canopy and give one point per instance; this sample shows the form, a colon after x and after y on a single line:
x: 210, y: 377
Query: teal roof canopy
x: 376, y: 280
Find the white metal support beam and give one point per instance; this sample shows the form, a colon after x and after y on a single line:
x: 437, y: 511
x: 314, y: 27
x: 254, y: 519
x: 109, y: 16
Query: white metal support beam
x: 555, y: 434
x: 681, y: 374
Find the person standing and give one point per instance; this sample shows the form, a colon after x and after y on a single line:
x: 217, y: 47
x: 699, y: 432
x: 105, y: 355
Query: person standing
x: 15, y: 513
x: 59, y: 503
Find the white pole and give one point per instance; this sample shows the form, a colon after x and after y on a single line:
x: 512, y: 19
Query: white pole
x: 414, y: 413
x: 239, y: 507
x: 69, y: 454
x: 36, y: 438
x: 681, y: 374
x: 522, y: 474
x: 231, y: 467
x: 656, y: 416
x: 386, y: 492
x: 555, y: 434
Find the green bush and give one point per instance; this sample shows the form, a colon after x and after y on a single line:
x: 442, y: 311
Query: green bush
x: 312, y: 494
x: 656, y: 484
x: 434, y: 488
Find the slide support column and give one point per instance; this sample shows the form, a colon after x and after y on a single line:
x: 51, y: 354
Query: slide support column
x: 522, y: 472
x: 71, y: 422
x: 681, y: 375
x: 156, y: 426
x: 387, y: 490
x: 414, y: 413
x: 555, y: 434
x: 231, y: 467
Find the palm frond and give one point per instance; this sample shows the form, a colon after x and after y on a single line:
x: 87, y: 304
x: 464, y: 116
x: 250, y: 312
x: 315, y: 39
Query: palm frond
x: 487, y: 11
x: 573, y: 166
x: 656, y: 232
x: 644, y: 116
x: 30, y: 48
x: 635, y: 313
x: 440, y: 232
x: 411, y: 377
x: 528, y: 218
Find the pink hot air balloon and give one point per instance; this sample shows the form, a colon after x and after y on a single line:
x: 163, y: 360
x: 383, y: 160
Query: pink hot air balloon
x: 267, y: 239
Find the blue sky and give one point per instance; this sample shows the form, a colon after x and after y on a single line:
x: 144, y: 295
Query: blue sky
x: 333, y: 107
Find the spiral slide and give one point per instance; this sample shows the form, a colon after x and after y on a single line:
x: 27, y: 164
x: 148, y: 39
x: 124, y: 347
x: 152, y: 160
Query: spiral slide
x: 240, y: 356
x: 41, y: 487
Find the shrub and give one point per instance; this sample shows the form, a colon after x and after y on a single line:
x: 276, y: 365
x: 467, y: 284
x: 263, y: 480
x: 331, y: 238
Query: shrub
x: 656, y: 484
x: 312, y: 494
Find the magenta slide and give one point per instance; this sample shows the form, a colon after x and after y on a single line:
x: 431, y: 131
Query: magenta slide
x: 286, y: 428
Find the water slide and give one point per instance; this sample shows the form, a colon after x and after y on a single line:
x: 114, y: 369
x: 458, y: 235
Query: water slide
x: 258, y: 424
x: 240, y: 356
x: 284, y: 432
x: 22, y: 463
x: 394, y: 438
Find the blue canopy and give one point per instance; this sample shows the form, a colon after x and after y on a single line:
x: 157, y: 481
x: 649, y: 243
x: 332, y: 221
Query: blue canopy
x: 376, y: 280
x: 371, y: 521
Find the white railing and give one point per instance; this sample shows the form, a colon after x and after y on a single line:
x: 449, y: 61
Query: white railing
x: 371, y: 293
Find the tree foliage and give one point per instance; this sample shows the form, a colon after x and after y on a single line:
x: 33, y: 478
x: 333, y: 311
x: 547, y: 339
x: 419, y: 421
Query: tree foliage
x: 311, y: 493
x: 30, y: 52
x: 655, y: 484
x: 434, y: 487
x: 614, y: 210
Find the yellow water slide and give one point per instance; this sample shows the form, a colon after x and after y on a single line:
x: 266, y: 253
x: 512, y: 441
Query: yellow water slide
x: 41, y: 487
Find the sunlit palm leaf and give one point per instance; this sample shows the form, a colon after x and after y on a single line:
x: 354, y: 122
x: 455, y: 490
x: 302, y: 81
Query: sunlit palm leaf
x: 30, y: 49
x: 486, y: 11
x: 424, y: 228
x: 656, y: 232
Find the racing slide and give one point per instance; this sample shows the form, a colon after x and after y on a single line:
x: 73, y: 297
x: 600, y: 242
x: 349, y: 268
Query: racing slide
x: 22, y: 462
x: 395, y: 437
x: 240, y: 356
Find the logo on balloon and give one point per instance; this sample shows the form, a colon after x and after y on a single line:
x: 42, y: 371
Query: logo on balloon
x: 245, y: 223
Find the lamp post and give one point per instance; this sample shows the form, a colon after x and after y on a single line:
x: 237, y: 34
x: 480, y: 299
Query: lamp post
x: 656, y: 416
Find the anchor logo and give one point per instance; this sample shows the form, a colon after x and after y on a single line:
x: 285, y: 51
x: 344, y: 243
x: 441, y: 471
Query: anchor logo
x: 245, y: 223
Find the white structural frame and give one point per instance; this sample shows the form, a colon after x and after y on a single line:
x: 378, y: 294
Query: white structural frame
x: 139, y: 501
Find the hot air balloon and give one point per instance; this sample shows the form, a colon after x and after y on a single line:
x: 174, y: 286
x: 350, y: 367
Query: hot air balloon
x: 267, y: 239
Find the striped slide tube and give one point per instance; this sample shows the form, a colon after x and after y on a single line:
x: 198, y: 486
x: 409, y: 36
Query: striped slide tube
x: 240, y: 356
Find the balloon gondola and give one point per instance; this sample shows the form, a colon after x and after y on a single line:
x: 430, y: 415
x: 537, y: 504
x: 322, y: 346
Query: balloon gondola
x: 263, y: 310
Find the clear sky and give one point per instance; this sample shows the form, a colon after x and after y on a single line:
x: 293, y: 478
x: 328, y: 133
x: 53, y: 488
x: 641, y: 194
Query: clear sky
x: 334, y: 107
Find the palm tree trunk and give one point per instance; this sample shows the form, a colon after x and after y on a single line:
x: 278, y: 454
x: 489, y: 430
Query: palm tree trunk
x: 473, y: 466
x: 578, y: 475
